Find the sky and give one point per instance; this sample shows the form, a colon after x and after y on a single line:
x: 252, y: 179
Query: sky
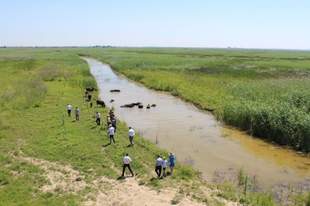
x: 275, y: 24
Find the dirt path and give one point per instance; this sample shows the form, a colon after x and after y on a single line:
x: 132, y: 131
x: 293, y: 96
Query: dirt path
x: 61, y: 178
x: 129, y: 192
x: 109, y: 192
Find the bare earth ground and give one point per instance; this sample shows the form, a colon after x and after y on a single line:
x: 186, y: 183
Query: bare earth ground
x: 63, y: 178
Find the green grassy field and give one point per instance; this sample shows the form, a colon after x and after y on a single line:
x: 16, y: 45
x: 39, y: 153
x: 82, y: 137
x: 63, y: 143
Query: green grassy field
x: 36, y: 85
x: 264, y: 92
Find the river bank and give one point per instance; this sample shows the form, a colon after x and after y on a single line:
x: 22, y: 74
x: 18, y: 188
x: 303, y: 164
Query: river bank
x: 195, y: 136
x: 264, y: 93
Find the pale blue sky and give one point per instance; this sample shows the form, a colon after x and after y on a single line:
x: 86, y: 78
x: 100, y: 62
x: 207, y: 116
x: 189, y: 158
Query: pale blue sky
x: 281, y: 24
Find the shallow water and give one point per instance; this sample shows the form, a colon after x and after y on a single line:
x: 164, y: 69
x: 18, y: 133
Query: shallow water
x: 194, y: 135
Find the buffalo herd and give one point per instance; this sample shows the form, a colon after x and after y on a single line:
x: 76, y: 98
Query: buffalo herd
x: 89, y: 90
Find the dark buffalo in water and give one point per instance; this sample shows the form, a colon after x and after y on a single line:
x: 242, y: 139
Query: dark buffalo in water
x: 115, y: 90
x: 132, y: 105
x: 153, y: 105
x: 100, y: 102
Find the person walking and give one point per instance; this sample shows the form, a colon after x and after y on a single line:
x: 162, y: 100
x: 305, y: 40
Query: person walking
x: 158, y: 166
x: 85, y: 95
x: 164, y: 166
x: 98, y: 118
x: 77, y: 113
x: 113, y: 122
x: 131, y: 135
x: 89, y: 97
x: 111, y: 133
x: 111, y: 113
x: 126, y: 164
x: 69, y: 109
x: 172, y: 161
x: 108, y: 120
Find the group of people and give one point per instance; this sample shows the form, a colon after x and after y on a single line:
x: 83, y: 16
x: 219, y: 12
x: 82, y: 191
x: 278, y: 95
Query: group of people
x: 161, y: 165
x: 161, y: 162
x: 77, y: 111
x: 111, y: 122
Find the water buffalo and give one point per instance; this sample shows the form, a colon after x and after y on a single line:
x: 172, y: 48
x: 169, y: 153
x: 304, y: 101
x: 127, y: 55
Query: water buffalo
x: 140, y: 106
x: 153, y: 105
x: 148, y: 106
x: 112, y: 100
x: 115, y: 90
x: 127, y: 106
x: 100, y: 102
x: 90, y: 89
x: 131, y: 105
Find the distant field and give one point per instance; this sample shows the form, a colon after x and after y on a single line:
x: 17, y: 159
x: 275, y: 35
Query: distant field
x: 264, y: 92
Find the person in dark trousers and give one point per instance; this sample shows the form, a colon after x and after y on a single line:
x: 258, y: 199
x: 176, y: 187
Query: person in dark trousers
x: 111, y: 133
x: 98, y: 118
x: 111, y: 114
x: 164, y: 166
x: 126, y: 164
x: 172, y: 161
x: 77, y: 114
x: 91, y: 104
x: 69, y: 109
x: 89, y: 97
x: 85, y: 95
x: 158, y: 166
x: 113, y: 122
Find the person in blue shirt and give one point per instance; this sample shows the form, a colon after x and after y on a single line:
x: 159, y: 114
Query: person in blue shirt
x: 172, y: 161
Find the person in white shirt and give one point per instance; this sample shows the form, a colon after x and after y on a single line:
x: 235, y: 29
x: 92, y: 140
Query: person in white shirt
x: 69, y: 109
x: 126, y: 163
x: 164, y: 166
x: 111, y: 133
x: 131, y: 134
x: 98, y: 118
x: 158, y: 166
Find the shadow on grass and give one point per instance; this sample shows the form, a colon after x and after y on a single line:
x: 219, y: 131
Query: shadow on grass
x: 105, y: 145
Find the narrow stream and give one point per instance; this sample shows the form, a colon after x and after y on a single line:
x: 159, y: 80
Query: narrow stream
x: 194, y: 135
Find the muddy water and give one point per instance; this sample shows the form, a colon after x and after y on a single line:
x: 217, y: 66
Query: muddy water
x: 195, y: 136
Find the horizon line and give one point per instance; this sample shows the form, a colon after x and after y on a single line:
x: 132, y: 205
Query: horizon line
x: 177, y: 47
